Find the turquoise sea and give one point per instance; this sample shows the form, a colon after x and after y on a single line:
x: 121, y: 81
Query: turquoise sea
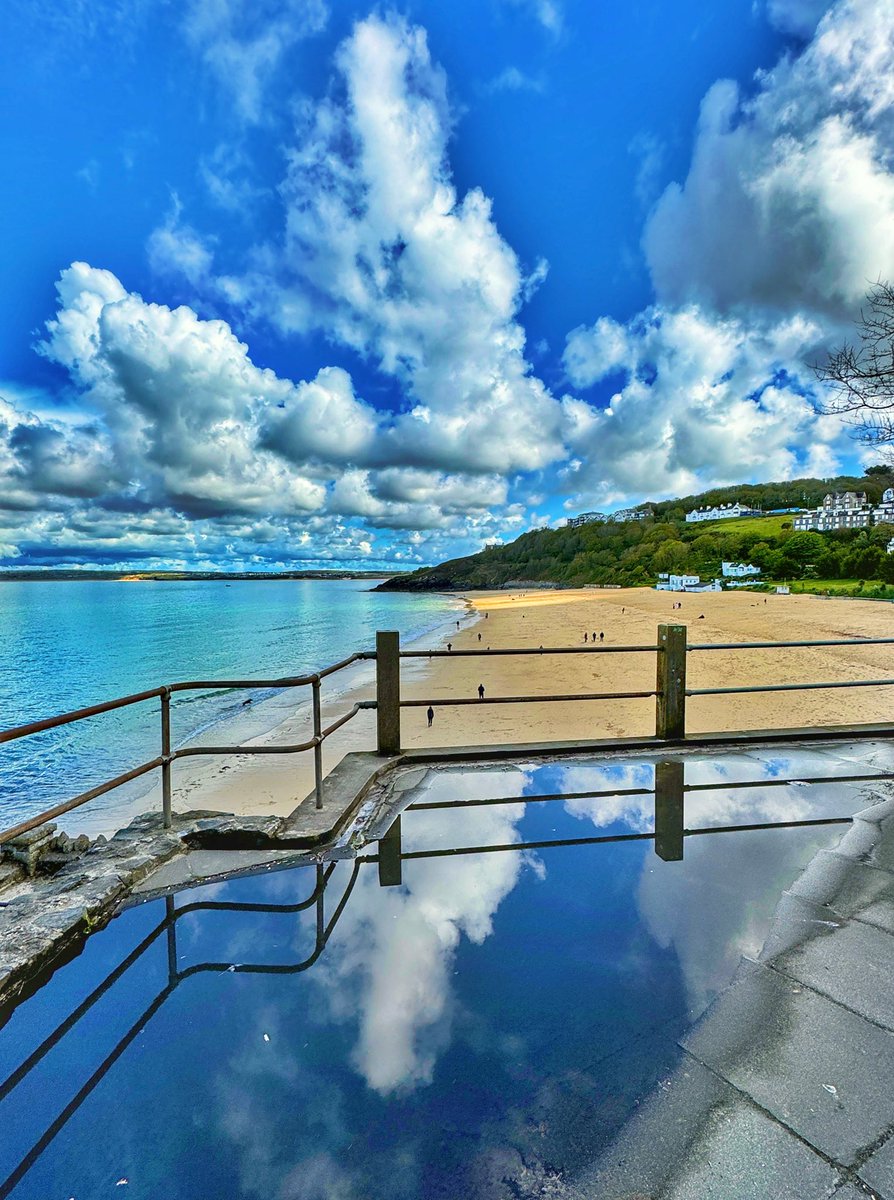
x: 66, y: 645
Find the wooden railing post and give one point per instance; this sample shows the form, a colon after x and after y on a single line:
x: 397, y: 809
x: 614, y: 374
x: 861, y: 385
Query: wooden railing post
x: 388, y: 691
x: 670, y: 700
x: 669, y: 811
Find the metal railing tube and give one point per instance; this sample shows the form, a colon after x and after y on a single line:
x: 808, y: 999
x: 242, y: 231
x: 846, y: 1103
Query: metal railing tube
x: 10, y: 735
x: 448, y: 701
x: 318, y: 742
x: 100, y: 790
x: 166, y: 757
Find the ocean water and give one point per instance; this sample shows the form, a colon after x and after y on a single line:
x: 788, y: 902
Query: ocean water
x: 67, y: 645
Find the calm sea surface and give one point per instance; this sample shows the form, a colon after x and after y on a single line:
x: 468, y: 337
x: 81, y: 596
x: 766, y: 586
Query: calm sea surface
x: 67, y: 645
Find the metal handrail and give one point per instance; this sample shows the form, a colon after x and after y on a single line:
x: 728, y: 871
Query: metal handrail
x: 169, y: 755
x: 546, y: 699
x: 789, y: 645
x: 487, y: 653
x: 670, y: 692
x: 789, y: 687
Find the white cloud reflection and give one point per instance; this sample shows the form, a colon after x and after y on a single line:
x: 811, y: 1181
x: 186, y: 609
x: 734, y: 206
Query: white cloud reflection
x: 389, y: 961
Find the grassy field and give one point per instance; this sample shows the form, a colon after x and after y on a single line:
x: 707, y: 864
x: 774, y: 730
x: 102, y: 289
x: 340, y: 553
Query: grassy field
x: 871, y: 589
x: 765, y: 526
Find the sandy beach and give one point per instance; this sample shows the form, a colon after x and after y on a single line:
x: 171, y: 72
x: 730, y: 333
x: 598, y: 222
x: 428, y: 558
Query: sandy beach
x: 275, y: 784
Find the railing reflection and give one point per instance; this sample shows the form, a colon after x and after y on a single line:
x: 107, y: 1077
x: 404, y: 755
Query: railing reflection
x: 168, y: 927
x: 668, y: 837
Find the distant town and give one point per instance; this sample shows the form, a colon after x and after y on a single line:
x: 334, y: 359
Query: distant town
x: 838, y: 511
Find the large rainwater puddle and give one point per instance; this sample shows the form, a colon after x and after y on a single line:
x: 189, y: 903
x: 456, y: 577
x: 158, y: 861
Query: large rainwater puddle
x: 473, y: 1007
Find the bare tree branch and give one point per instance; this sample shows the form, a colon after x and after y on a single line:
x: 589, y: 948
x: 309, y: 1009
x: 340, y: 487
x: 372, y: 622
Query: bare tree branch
x: 860, y: 377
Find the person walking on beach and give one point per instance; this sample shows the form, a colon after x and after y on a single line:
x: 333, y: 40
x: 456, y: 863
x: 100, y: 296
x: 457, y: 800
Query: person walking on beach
x: 480, y: 691
x: 586, y: 635
x: 431, y: 715
x: 479, y: 637
x: 450, y: 645
x: 602, y: 637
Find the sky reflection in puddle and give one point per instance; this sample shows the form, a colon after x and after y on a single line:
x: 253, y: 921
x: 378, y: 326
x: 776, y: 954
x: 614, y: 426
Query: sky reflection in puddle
x: 481, y: 1029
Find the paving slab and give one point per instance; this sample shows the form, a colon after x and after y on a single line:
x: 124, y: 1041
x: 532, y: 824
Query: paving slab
x: 878, y: 1171
x: 852, y: 963
x: 845, y: 886
x: 818, y: 1068
x: 857, y: 1191
x: 795, y: 922
x: 696, y: 1138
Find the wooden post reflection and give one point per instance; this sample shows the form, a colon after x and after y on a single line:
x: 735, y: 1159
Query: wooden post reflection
x: 669, y: 811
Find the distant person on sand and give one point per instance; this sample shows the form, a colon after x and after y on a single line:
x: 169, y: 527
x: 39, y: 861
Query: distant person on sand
x: 480, y: 691
x: 479, y: 637
x: 486, y: 615
x: 457, y: 624
x: 602, y: 637
x: 594, y: 637
x: 431, y: 715
x: 450, y: 645
x: 586, y: 635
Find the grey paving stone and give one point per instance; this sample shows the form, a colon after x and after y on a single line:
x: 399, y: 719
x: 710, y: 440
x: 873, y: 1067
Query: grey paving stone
x: 857, y: 1191
x: 743, y: 1155
x: 878, y: 1171
x: 843, y: 885
x: 853, y: 963
x: 785, y: 1046
x: 795, y: 922
x: 881, y: 914
x: 695, y: 1138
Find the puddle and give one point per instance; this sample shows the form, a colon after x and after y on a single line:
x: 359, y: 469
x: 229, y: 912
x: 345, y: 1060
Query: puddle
x: 482, y: 1025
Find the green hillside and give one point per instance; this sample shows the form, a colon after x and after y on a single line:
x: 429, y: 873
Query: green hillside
x: 635, y: 552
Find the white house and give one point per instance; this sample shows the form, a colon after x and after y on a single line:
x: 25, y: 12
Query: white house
x: 585, y: 519
x: 891, y: 546
x: 721, y: 512
x: 678, y: 583
x: 733, y: 570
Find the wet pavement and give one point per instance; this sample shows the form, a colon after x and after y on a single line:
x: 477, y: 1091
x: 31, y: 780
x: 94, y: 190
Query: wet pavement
x: 507, y: 994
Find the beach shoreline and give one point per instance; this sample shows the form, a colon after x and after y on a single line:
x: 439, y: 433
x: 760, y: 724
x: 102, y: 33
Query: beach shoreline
x: 275, y: 785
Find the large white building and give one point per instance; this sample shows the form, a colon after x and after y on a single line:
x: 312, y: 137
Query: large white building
x: 839, y: 510
x: 633, y: 514
x: 733, y: 570
x: 721, y: 512
x: 585, y: 519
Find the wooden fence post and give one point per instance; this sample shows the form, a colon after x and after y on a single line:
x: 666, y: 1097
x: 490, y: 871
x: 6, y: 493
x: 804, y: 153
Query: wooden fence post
x: 670, y: 701
x: 388, y: 691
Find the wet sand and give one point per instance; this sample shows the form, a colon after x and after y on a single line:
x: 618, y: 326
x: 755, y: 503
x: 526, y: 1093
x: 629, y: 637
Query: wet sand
x: 626, y: 616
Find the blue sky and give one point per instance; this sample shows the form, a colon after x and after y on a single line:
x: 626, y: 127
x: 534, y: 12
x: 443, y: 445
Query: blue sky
x: 309, y: 282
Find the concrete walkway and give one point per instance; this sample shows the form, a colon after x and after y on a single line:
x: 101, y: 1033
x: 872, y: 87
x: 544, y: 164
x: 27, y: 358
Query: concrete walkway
x: 785, y: 1087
